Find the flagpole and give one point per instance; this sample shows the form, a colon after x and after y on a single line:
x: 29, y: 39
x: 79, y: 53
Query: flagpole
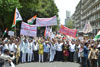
x: 15, y: 31
x: 2, y: 36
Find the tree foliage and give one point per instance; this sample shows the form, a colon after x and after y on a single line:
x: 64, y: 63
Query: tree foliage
x: 7, y: 12
x: 69, y: 24
x: 27, y: 9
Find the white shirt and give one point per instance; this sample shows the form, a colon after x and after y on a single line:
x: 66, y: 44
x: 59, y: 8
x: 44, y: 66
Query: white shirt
x: 30, y: 47
x: 35, y: 47
x: 24, y: 47
x: 99, y: 45
x: 5, y: 46
x: 6, y: 57
x: 72, y: 47
x: 12, y: 47
x: 59, y: 47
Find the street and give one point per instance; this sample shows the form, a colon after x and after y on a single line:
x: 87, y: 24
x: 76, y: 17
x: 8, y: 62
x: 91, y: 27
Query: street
x: 47, y: 64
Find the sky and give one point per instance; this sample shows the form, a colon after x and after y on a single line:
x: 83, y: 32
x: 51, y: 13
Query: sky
x: 64, y: 5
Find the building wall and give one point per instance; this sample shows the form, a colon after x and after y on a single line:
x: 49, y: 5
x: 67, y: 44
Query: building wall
x: 67, y: 16
x: 87, y: 11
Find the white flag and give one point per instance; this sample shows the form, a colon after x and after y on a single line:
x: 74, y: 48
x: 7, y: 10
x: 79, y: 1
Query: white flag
x: 87, y: 28
x: 18, y: 16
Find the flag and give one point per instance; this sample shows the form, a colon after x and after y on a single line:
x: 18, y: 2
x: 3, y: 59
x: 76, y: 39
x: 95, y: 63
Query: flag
x: 47, y: 32
x: 87, y: 28
x: 5, y: 31
x: 97, y: 36
x: 17, y: 17
x: 30, y: 21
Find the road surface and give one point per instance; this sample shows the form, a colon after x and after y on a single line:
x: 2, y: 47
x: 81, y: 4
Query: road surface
x: 47, y: 64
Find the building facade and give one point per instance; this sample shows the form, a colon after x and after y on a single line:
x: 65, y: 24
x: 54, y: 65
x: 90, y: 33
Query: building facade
x: 87, y: 11
x: 67, y: 16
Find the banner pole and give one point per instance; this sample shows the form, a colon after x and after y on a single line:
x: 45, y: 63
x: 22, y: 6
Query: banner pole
x: 15, y: 31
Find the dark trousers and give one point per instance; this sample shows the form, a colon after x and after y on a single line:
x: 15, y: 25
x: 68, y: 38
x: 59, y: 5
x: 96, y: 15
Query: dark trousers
x: 71, y: 56
x: 85, y: 62
x: 1, y: 62
x: 46, y: 56
x: 98, y: 64
x: 20, y: 58
x: 88, y: 63
x: 65, y: 58
x: 93, y: 63
x: 59, y: 56
x: 36, y: 56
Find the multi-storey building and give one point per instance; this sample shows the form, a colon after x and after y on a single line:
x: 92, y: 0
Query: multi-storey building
x: 87, y: 11
x: 67, y: 16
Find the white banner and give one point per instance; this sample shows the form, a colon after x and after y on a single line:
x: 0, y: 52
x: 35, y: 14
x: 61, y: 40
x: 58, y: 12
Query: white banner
x: 46, y: 21
x: 28, y: 30
x: 10, y: 33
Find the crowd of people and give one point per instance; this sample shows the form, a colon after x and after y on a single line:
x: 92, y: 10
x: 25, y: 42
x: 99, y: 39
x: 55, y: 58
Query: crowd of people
x: 27, y: 49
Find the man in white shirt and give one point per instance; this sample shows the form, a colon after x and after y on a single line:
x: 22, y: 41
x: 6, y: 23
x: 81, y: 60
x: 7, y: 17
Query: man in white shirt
x: 7, y: 59
x: 52, y: 51
x: 12, y: 47
x: 30, y: 50
x: 35, y: 51
x: 59, y: 52
x: 72, y: 50
x: 24, y: 49
x: 5, y: 46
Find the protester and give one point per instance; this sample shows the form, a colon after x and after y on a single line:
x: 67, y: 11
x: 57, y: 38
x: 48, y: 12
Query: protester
x: 93, y: 56
x: 99, y: 57
x: 7, y: 58
x: 41, y: 51
x: 60, y: 48
x: 59, y: 51
x: 81, y: 55
x: 24, y: 46
x: 85, y: 54
x: 65, y: 52
x: 35, y: 51
x: 52, y: 51
x: 17, y: 51
x: 72, y: 50
x: 46, y: 50
x: 30, y: 50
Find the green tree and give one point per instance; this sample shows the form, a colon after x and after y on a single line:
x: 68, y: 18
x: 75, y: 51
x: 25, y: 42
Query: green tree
x: 69, y: 24
x: 27, y: 9
x: 7, y: 12
x: 41, y: 8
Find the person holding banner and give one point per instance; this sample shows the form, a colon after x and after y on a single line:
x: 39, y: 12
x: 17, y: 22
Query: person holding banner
x: 24, y: 46
x: 30, y: 50
x: 59, y: 52
x: 52, y: 51
x: 46, y: 50
x: 72, y: 50
x: 40, y: 51
x: 35, y: 51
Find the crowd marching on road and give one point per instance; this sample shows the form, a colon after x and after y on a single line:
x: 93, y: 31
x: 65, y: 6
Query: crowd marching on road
x: 25, y: 49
